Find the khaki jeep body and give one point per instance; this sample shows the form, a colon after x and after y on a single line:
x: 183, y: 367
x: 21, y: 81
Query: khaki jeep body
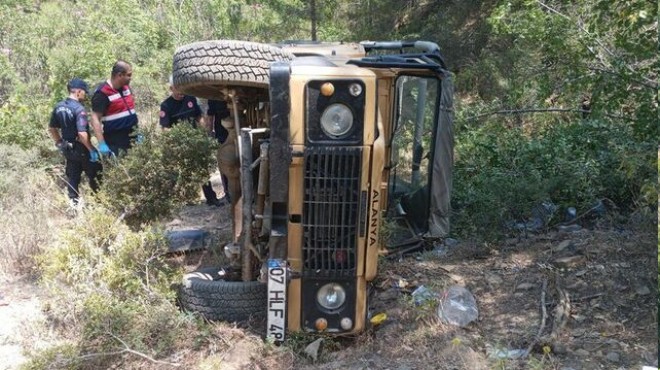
x: 329, y: 142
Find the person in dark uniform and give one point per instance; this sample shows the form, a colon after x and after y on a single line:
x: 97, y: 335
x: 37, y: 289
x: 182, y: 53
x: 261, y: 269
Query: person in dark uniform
x: 184, y: 108
x: 217, y: 110
x: 69, y: 129
x: 113, y: 111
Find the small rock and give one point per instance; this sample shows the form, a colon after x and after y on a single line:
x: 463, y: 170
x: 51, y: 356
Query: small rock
x: 451, y: 242
x: 559, y: 349
x: 643, y: 290
x: 493, y: 279
x: 563, y: 245
x: 388, y: 295
x: 518, y: 294
x: 613, y: 357
x: 579, y: 333
x: 175, y: 222
x: 511, y: 241
x: 312, y: 350
x: 458, y: 279
x: 576, y: 285
x: 569, y: 228
x: 568, y: 262
x: 525, y: 286
x: 582, y: 353
x: 579, y: 318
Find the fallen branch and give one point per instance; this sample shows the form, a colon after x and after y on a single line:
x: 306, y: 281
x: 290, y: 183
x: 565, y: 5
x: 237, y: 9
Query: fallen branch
x: 127, y: 349
x: 578, y: 299
x: 115, y: 353
x: 544, y: 317
x: 562, y: 311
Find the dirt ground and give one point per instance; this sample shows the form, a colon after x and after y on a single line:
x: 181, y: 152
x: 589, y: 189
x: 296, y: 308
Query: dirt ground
x: 598, y: 284
x: 600, y: 304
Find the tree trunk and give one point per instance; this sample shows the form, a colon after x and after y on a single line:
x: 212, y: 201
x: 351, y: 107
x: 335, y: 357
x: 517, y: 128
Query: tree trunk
x: 312, y: 11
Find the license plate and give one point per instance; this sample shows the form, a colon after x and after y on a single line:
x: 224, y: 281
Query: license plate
x: 276, y: 322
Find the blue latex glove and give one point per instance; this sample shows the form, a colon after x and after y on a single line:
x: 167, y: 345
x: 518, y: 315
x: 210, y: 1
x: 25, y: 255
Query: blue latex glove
x: 93, y: 156
x: 104, y: 149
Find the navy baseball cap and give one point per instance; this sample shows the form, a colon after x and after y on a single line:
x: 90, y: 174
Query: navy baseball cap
x: 77, y: 83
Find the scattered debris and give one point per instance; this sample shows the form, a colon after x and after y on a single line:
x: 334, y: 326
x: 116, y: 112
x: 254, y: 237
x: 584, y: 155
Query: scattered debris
x: 582, y: 353
x: 563, y: 245
x: 571, y: 214
x: 186, y: 240
x: 643, y: 290
x: 312, y: 350
x: 422, y: 295
x: 378, y: 318
x: 569, y: 262
x: 569, y: 228
x: 525, y: 286
x: 493, y: 279
x: 507, y: 353
x: 457, y: 306
x: 445, y: 247
x: 613, y: 357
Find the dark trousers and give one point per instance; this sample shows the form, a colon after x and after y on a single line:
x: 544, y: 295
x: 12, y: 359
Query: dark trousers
x: 119, y: 140
x: 77, y: 162
x: 225, y: 186
x: 209, y: 193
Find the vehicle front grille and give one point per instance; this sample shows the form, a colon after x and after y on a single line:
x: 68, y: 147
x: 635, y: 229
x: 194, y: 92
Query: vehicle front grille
x: 331, y: 207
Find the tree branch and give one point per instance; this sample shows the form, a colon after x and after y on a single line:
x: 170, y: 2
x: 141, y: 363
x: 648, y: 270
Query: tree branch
x: 541, y: 110
x: 648, y: 82
x: 129, y: 350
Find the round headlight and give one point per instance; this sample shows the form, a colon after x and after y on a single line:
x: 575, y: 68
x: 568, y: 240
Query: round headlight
x: 337, y: 120
x: 331, y: 296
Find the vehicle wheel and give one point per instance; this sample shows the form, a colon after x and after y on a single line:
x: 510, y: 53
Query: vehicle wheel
x: 201, y: 68
x: 204, y: 291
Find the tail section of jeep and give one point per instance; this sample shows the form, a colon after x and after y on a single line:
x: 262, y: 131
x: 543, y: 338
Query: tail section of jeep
x: 336, y: 152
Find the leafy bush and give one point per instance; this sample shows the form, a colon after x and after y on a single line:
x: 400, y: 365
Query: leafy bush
x: 155, y: 177
x: 114, y: 289
x: 502, y: 172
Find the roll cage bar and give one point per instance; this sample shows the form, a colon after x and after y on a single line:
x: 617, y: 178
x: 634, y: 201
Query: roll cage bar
x: 429, y: 59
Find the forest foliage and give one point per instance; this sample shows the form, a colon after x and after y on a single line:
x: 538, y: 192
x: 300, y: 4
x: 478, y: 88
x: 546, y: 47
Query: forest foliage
x: 589, y: 67
x: 555, y: 101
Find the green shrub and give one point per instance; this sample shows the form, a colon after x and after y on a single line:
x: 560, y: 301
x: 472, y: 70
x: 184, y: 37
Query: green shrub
x: 113, y: 288
x: 502, y: 172
x: 159, y: 175
x: 29, y: 206
x: 104, y: 254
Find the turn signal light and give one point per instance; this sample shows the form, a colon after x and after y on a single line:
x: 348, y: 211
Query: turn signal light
x: 321, y: 324
x: 327, y: 89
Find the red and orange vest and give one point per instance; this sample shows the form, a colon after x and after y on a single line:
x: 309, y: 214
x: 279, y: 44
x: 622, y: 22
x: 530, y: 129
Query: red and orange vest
x: 120, y: 113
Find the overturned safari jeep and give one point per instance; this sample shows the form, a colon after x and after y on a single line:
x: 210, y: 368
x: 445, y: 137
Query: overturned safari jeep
x: 336, y: 154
